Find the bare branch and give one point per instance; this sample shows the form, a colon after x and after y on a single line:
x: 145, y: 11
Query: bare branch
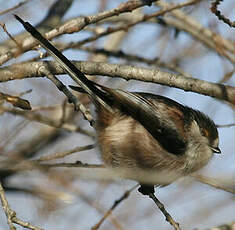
x: 223, y: 184
x: 63, y: 154
x: 220, y: 16
x: 31, y: 69
x: 78, y: 106
x: 76, y: 25
x: 115, y: 204
x: 164, y: 212
x: 14, y: 7
x: 129, y: 57
x: 10, y: 36
x: 214, y: 41
x: 46, y: 120
x: 11, y: 215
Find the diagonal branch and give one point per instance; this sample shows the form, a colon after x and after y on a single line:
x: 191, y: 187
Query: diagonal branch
x: 115, y: 204
x: 220, y: 16
x: 11, y: 215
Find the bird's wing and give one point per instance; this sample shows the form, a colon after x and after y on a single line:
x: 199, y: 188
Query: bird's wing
x: 160, y: 119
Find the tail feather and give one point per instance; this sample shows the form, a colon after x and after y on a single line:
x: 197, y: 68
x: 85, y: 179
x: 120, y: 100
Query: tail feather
x: 88, y: 86
x: 77, y: 88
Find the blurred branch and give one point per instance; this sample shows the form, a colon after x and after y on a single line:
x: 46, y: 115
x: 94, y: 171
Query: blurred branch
x: 220, y: 16
x: 45, y: 137
x: 77, y: 164
x: 101, y: 172
x: 53, y: 196
x: 66, y: 153
x: 11, y: 215
x: 225, y: 126
x: 46, y: 120
x: 3, y: 25
x: 230, y: 226
x: 90, y: 171
x: 14, y: 7
x: 55, y: 14
x: 221, y: 184
x: 8, y: 138
x: 31, y: 69
x: 31, y: 147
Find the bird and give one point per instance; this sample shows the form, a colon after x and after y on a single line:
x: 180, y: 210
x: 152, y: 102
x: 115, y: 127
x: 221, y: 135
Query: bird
x: 143, y: 131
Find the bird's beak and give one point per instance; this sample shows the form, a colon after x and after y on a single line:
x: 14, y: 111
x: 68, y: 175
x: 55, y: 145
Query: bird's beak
x: 216, y: 150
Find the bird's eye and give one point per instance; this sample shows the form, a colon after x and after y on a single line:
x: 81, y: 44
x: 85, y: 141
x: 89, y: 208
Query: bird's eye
x: 205, y: 132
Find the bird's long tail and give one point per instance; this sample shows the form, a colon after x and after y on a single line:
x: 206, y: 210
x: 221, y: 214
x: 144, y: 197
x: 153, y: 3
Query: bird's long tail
x: 132, y: 104
x: 88, y: 86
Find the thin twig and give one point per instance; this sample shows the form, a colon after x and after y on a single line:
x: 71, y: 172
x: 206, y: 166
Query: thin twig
x: 46, y: 120
x: 9, y: 35
x: 220, y: 16
x: 164, y: 212
x: 8, y: 212
x: 76, y: 25
x: 216, y: 183
x: 115, y: 204
x: 14, y: 7
x: 78, y: 106
x: 205, y: 36
x: 125, y: 27
x: 78, y: 164
x: 11, y: 215
x: 66, y: 153
x: 9, y: 137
